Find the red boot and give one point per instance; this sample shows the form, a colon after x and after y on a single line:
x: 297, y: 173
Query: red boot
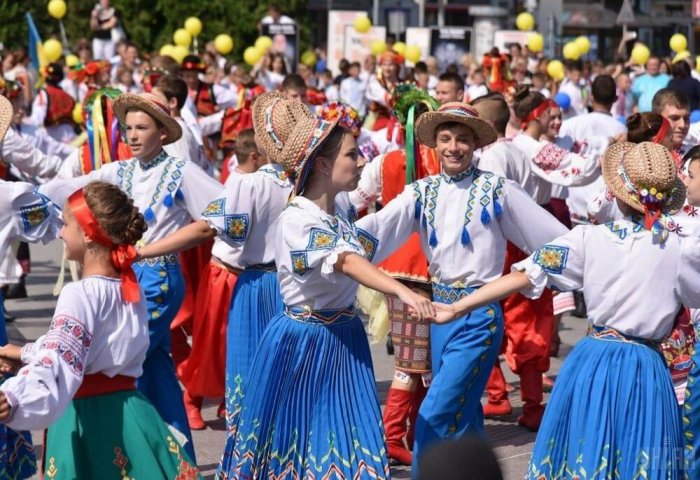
x: 193, y: 407
x: 498, y: 404
x: 531, y: 392
x: 416, y: 400
x: 398, y: 404
x: 221, y: 411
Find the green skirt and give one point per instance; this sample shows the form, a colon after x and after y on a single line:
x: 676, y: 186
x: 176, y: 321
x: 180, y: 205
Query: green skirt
x: 114, y: 436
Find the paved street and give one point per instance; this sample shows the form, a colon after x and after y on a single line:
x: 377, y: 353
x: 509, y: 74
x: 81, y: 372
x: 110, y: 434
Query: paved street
x: 512, y: 443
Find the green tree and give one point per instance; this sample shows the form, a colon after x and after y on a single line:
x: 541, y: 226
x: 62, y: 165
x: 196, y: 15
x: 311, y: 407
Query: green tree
x: 149, y: 23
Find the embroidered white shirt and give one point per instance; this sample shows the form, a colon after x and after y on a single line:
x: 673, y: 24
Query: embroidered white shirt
x: 630, y: 281
x: 93, y: 331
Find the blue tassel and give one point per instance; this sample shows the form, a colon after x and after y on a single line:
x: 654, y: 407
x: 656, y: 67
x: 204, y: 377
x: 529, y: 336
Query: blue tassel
x: 179, y: 195
x: 168, y: 201
x: 485, y: 217
x: 497, y: 209
x: 417, y: 210
x: 149, y: 215
x: 433, y: 239
x: 466, y: 240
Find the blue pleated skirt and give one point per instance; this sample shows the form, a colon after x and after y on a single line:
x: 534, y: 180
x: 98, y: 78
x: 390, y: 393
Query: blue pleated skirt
x: 310, y: 408
x: 17, y: 459
x: 164, y: 288
x: 255, y: 301
x: 612, y: 414
x: 691, y: 417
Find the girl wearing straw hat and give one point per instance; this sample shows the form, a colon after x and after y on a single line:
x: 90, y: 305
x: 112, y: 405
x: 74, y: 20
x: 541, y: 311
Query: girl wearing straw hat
x: 310, y: 406
x: 170, y: 192
x: 613, y: 411
x: 464, y: 217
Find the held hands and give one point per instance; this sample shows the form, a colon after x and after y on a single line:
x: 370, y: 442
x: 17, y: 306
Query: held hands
x: 10, y: 359
x: 445, y: 313
x: 422, y: 306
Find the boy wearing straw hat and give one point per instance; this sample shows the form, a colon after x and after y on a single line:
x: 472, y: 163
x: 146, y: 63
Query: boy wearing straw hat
x: 635, y: 276
x: 170, y: 192
x: 464, y: 218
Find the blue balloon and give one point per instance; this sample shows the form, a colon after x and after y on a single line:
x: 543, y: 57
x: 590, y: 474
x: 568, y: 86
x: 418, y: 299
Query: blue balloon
x: 563, y: 100
x: 695, y: 116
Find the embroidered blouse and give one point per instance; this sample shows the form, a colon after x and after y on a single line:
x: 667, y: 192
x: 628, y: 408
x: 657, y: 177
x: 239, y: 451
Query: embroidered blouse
x: 631, y: 281
x: 310, y: 241
x: 464, y: 223
x: 246, y: 214
x: 169, y: 192
x: 93, y: 331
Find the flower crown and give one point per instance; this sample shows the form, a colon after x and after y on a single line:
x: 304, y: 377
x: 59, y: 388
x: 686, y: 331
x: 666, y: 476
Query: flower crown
x: 347, y: 116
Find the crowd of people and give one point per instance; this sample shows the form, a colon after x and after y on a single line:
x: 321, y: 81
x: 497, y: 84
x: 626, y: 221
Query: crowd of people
x: 226, y: 224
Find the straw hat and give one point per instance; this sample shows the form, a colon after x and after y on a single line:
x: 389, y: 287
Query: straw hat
x: 6, y: 113
x: 457, y: 112
x: 644, y: 176
x: 154, y: 105
x: 289, y: 134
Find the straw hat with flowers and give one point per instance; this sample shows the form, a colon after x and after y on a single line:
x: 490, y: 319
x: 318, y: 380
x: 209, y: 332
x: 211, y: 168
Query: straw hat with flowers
x: 289, y: 134
x: 454, y: 112
x: 5, y: 116
x: 645, y: 177
x: 154, y: 105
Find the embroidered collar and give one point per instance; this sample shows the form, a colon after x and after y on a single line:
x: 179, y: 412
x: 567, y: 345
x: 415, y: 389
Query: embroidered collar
x: 162, y: 156
x: 625, y: 227
x: 460, y: 176
x: 277, y: 172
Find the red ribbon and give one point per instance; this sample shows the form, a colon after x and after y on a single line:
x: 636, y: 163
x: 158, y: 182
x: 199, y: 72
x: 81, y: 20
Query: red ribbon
x: 537, y: 111
x: 651, y: 215
x: 663, y: 130
x: 123, y: 256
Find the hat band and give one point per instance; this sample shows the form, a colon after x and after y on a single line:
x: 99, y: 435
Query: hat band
x: 537, y: 112
x: 269, y: 126
x: 320, y: 127
x: 460, y: 112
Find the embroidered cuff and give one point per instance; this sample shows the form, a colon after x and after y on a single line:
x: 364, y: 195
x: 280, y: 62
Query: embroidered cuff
x: 536, y: 275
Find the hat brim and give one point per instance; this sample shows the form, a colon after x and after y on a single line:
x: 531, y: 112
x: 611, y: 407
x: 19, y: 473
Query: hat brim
x: 262, y: 139
x: 304, y: 166
x: 610, y: 166
x: 6, y: 112
x: 428, y: 123
x: 130, y: 101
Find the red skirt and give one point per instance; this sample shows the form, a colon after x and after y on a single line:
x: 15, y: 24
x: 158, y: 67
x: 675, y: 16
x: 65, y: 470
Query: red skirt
x: 203, y: 373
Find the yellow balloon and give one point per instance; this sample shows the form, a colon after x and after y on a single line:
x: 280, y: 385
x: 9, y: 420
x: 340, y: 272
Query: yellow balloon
x: 555, y: 69
x: 678, y: 42
x: 223, y: 43
x: 413, y: 53
x: 263, y: 43
x: 72, y: 60
x: 252, y: 56
x: 194, y: 26
x: 640, y: 54
x: 680, y: 56
x: 182, y: 37
x: 377, y: 47
x: 179, y: 52
x: 52, y: 49
x: 78, y: 113
x: 308, y: 58
x: 525, y: 21
x: 57, y: 9
x: 166, y: 50
x: 571, y: 51
x: 400, y: 48
x: 362, y: 24
x: 535, y: 42
x: 583, y: 44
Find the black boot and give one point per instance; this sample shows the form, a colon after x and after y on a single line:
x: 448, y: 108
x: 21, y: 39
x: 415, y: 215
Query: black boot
x: 389, y: 345
x: 580, y: 310
x: 17, y: 290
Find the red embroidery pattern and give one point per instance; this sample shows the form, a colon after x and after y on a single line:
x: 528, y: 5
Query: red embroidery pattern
x: 690, y: 210
x: 70, y: 339
x: 550, y: 157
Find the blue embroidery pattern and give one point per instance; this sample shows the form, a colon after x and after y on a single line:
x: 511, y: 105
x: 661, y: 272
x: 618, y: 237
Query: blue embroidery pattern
x: 622, y: 232
x: 320, y: 239
x: 237, y: 226
x: 34, y: 215
x: 300, y: 263
x: 368, y: 242
x: 552, y: 258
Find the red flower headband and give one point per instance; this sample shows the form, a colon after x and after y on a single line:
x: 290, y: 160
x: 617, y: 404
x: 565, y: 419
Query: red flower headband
x: 122, y: 255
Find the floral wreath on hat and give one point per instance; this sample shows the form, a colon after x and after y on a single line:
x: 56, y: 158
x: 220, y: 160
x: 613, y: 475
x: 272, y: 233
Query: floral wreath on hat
x: 348, y: 116
x: 9, y: 88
